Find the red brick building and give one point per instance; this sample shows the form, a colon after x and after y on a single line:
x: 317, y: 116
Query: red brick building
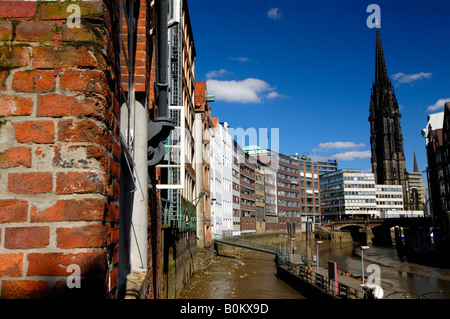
x: 75, y: 79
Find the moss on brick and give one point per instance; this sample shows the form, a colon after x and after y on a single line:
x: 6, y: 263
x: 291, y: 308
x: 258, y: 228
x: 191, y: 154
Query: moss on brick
x: 58, y: 10
x: 13, y: 56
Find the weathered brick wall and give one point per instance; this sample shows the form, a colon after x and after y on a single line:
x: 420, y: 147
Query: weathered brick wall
x: 59, y: 149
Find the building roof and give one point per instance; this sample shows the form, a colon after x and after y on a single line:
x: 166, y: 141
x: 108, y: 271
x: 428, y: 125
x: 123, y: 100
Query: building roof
x: 435, y: 122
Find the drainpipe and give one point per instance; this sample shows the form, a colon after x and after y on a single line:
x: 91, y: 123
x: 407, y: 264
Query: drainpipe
x: 160, y: 127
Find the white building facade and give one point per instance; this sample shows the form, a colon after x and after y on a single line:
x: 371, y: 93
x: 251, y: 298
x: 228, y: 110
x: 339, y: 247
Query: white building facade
x: 351, y: 193
x: 221, y: 147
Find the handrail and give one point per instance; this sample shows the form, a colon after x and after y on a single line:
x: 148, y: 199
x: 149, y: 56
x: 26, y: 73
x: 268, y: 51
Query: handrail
x: 332, y: 287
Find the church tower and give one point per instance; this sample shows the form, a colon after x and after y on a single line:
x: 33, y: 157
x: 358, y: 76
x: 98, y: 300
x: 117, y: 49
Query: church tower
x: 386, y: 139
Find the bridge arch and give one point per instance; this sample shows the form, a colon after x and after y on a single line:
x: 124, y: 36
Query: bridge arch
x: 357, y: 231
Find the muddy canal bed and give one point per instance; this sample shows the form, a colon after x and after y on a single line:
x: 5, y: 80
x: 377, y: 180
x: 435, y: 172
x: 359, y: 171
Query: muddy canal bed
x: 239, y: 274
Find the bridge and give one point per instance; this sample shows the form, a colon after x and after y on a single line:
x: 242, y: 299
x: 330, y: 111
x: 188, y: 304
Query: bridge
x: 248, y: 244
x: 385, y: 222
x: 412, y: 234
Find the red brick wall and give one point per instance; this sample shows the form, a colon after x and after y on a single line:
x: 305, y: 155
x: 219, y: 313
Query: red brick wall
x: 59, y: 149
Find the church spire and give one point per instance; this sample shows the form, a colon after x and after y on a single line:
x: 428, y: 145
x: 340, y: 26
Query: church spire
x: 416, y: 167
x: 381, y: 75
x: 386, y: 139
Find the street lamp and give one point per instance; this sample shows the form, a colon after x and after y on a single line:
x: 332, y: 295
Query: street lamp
x: 317, y: 262
x: 362, y: 261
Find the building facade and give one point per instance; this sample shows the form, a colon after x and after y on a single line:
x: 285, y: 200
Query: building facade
x: 203, y: 126
x: 436, y: 135
x: 271, y: 199
x: 247, y: 192
x: 221, y: 180
x: 236, y: 192
x: 353, y: 194
x: 298, y: 187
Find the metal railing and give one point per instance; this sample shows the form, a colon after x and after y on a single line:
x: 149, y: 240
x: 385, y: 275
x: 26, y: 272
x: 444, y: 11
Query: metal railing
x: 329, y: 286
x: 253, y: 245
x: 340, y: 290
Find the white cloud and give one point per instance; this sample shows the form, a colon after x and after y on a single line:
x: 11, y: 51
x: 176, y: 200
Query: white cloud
x: 339, y: 145
x: 216, y: 73
x: 438, y: 105
x: 275, y: 95
x: 241, y: 59
x: 274, y: 13
x: 408, y: 78
x: 246, y: 91
x: 350, y: 156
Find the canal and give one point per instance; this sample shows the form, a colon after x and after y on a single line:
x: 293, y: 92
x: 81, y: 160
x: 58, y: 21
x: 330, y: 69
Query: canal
x: 239, y: 274
x: 244, y: 274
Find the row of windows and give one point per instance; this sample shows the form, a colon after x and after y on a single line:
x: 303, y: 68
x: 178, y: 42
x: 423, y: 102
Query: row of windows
x: 359, y: 178
x: 288, y: 203
x: 359, y: 185
x: 288, y: 169
x: 288, y: 185
x: 288, y: 177
x: 288, y: 194
x: 394, y: 203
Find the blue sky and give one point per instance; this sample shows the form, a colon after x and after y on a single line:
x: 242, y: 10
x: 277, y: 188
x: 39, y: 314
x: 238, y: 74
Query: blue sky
x: 307, y: 67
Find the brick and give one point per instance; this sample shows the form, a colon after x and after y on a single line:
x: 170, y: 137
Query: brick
x: 55, y: 264
x: 85, y: 81
x: 13, y: 56
x: 11, y: 265
x: 11, y: 105
x: 16, y: 156
x: 15, y: 9
x: 35, y: 131
x: 113, y: 213
x: 81, y: 183
x: 93, y: 34
x: 34, y: 81
x: 13, y: 211
x: 26, y: 237
x: 89, y: 157
x: 115, y: 190
x: 54, y: 10
x: 3, y: 76
x: 56, y: 105
x: 30, y: 183
x: 32, y: 31
x: 24, y: 289
x: 83, y: 131
x: 113, y: 235
x: 114, y: 169
x: 45, y: 57
x: 90, y: 236
x: 5, y: 30
x: 70, y: 210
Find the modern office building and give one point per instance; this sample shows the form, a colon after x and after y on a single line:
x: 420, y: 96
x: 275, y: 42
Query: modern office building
x: 348, y: 193
x: 248, y: 195
x: 415, y: 190
x: 271, y: 211
x: 390, y: 202
x: 351, y: 193
x: 326, y: 164
x: 260, y: 193
x: 298, y: 191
